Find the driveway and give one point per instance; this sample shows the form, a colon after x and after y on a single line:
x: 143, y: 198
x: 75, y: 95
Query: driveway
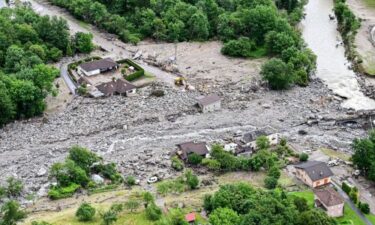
x: 64, y: 74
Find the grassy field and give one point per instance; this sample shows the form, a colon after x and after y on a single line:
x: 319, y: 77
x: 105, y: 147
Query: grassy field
x: 335, y: 154
x: 370, y: 3
x: 350, y: 217
x: 371, y: 217
x: 308, y: 195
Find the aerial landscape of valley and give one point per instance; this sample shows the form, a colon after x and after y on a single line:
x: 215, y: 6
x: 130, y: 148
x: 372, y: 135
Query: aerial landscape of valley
x: 177, y: 112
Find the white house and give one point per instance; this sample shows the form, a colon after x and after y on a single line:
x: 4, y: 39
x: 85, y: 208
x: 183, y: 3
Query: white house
x: 209, y: 103
x: 96, y: 67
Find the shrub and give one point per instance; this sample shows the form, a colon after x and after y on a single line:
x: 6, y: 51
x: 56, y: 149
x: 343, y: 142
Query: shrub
x: 354, y: 195
x: 364, y: 207
x: 303, y: 157
x: 177, y: 164
x: 263, y: 142
x: 130, y: 180
x: 270, y: 182
x: 301, y: 204
x: 228, y: 162
x: 132, y: 205
x: 194, y: 159
x: 109, y: 217
x: 274, y: 171
x: 11, y: 213
x: 211, y: 164
x: 63, y: 192
x: 85, y: 212
x: 108, y: 171
x: 14, y: 187
x: 117, y: 207
x: 158, y: 93
x: 148, y: 198
x: 82, y: 90
x: 278, y: 74
x: 191, y: 179
x: 153, y: 212
x: 346, y: 188
x: 239, y: 48
x: 83, y: 157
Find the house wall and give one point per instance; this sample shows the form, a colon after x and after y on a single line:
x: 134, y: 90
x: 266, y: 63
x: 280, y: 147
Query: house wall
x: 91, y: 73
x: 336, y: 210
x: 322, y: 182
x: 212, y: 107
x: 302, y: 175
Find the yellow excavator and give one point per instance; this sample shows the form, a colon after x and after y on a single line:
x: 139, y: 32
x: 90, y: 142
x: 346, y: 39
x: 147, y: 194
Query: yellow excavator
x: 180, y: 81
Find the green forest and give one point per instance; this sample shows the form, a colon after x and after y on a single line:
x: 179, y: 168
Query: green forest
x: 27, y: 42
x: 248, y: 28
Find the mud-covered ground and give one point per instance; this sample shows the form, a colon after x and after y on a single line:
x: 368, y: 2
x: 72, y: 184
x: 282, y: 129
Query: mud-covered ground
x: 139, y: 132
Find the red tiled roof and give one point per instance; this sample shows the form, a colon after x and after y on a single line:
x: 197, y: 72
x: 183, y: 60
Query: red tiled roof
x: 190, y: 217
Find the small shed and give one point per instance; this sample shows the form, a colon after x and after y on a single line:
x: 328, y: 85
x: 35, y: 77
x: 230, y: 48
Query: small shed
x: 209, y: 103
x: 190, y: 218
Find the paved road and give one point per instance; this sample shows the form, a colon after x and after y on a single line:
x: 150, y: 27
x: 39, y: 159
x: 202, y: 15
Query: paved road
x: 64, y: 74
x: 352, y: 205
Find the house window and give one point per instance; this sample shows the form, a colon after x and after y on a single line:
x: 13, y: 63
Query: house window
x: 318, y: 183
x: 325, y: 181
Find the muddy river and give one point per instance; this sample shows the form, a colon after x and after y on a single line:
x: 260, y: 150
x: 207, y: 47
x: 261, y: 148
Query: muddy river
x: 322, y: 37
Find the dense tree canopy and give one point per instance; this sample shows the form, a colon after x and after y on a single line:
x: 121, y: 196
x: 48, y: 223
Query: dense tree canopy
x: 241, y: 204
x: 364, y: 155
x: 27, y: 42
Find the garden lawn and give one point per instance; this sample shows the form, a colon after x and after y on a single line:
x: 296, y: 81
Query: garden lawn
x: 371, y: 217
x: 350, y: 217
x: 308, y: 195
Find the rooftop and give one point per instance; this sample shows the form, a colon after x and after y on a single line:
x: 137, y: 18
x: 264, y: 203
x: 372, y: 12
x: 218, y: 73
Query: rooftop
x: 316, y: 170
x: 328, y: 196
x: 190, y: 217
x: 199, y: 148
x: 98, y: 64
x: 118, y: 86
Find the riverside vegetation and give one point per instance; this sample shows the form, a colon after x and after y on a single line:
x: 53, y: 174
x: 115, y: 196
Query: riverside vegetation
x: 27, y: 42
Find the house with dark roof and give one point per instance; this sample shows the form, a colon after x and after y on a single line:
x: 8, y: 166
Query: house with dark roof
x: 209, y: 103
x: 314, y: 173
x: 330, y: 201
x: 117, y: 87
x: 187, y: 148
x: 97, y: 66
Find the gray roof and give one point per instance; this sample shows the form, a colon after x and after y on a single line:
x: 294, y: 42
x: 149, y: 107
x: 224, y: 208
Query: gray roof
x: 208, y: 100
x: 101, y: 64
x: 187, y: 148
x: 328, y: 196
x: 316, y: 170
x: 118, y: 86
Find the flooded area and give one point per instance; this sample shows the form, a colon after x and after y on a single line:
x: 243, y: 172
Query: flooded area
x: 322, y: 37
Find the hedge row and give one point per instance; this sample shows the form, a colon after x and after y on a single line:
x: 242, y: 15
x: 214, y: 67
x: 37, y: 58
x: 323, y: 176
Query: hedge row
x: 140, y: 72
